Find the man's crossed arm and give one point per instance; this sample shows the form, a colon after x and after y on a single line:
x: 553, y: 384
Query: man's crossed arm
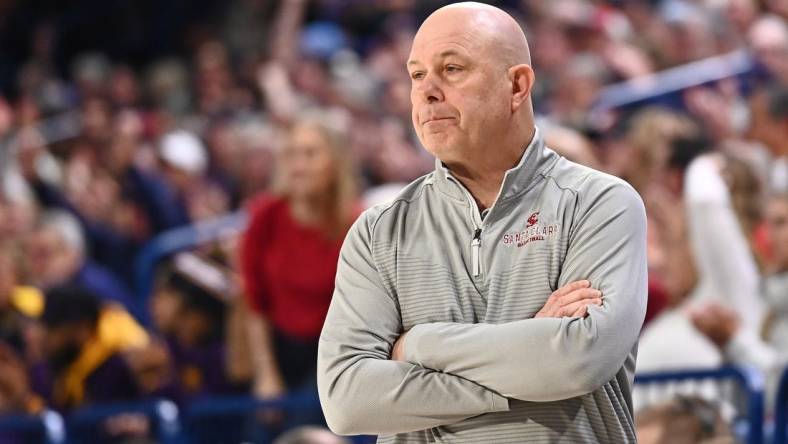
x: 571, y: 300
x: 456, y: 371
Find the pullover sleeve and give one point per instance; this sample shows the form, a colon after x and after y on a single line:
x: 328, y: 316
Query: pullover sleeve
x: 549, y: 359
x: 361, y: 390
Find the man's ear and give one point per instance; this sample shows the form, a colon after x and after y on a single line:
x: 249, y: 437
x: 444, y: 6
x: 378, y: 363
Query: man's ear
x: 522, y: 78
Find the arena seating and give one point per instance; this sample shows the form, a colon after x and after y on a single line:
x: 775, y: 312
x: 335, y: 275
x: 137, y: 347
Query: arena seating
x: 781, y: 411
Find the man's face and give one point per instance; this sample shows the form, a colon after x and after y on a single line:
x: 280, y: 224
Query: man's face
x: 50, y: 258
x: 460, y: 92
x: 769, y: 43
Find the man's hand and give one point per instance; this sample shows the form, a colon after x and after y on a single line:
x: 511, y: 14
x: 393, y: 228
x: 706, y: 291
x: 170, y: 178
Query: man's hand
x: 398, y: 350
x: 571, y: 300
x: 716, y: 322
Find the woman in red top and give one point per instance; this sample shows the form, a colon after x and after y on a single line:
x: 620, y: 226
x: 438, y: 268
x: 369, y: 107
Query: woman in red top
x: 289, y: 256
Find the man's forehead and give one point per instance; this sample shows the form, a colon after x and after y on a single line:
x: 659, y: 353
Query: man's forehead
x: 446, y: 44
x: 425, y: 55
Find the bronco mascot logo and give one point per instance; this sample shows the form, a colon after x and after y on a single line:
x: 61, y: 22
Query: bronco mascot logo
x: 533, y: 219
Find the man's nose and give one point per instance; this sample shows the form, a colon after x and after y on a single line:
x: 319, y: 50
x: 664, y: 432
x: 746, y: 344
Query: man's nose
x: 429, y: 90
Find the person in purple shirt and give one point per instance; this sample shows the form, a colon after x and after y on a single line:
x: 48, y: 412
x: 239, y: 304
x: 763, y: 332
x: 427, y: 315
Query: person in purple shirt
x: 192, y: 292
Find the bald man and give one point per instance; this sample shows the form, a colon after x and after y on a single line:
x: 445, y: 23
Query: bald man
x: 498, y: 298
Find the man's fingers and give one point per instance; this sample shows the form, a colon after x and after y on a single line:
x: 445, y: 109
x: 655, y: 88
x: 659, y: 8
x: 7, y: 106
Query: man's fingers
x: 569, y: 310
x: 578, y: 295
x: 581, y: 312
x: 570, y: 287
x: 569, y: 293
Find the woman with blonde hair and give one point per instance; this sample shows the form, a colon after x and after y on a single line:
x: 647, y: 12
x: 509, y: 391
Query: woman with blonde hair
x: 289, y: 254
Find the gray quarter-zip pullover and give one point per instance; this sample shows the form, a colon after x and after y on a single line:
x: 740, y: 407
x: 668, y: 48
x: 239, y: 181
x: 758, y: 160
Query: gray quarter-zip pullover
x: 481, y: 368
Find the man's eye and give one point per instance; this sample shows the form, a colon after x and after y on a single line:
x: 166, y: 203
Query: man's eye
x: 417, y: 75
x: 452, y: 68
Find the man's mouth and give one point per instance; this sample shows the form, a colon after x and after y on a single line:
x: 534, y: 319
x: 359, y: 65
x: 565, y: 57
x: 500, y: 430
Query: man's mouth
x: 437, y: 119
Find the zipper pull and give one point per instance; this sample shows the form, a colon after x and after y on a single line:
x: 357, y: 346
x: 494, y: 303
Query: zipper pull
x: 476, y: 244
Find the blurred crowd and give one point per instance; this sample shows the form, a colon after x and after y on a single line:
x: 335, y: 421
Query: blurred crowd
x: 117, y: 125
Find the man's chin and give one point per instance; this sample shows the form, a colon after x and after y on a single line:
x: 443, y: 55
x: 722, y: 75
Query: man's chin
x: 442, y: 148
x: 447, y: 154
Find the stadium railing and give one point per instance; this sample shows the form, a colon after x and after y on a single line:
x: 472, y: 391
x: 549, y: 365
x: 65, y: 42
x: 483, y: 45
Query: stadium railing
x: 82, y: 425
x: 692, y: 74
x: 46, y: 427
x: 210, y: 419
x: 781, y: 411
x: 749, y: 380
x: 174, y: 241
x: 201, y: 412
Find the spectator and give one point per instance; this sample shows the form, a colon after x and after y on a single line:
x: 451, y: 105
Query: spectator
x: 184, y: 161
x: 723, y: 204
x: 644, y: 156
x: 656, y: 147
x: 57, y: 257
x: 289, y: 255
x: 95, y: 199
x: 191, y: 309
x: 721, y: 199
x: 153, y: 182
x: 84, y: 341
x: 724, y: 326
x: 768, y: 38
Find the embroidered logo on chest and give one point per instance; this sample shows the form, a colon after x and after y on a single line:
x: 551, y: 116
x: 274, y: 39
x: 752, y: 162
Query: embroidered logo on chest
x: 533, y: 232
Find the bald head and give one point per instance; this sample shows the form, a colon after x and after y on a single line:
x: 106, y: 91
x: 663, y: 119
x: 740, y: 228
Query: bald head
x: 491, y: 29
x: 471, y: 83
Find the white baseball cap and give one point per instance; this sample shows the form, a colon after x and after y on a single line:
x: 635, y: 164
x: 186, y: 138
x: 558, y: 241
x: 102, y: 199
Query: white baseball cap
x: 184, y: 151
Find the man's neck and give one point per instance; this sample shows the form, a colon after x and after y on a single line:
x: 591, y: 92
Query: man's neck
x: 483, y: 187
x: 484, y: 178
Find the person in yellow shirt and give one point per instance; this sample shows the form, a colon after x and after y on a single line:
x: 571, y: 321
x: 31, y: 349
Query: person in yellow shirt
x: 84, y: 344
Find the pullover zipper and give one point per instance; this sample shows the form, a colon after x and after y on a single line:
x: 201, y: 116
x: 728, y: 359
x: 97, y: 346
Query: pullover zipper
x: 476, y: 244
